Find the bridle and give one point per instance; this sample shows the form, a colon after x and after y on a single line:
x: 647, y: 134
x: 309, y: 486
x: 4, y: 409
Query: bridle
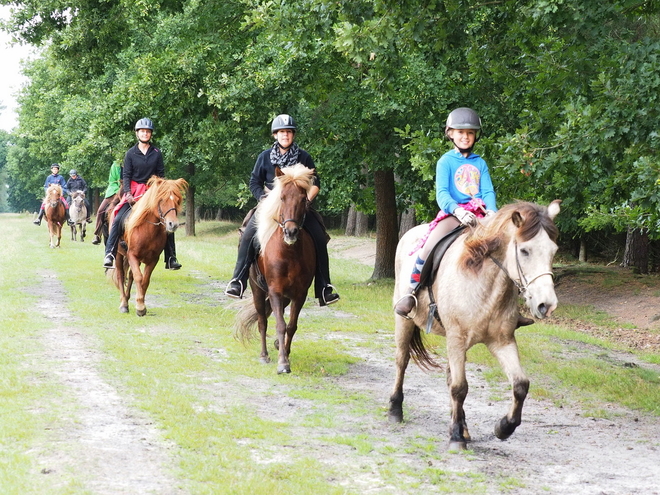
x: 298, y: 224
x: 162, y: 216
x: 522, y: 283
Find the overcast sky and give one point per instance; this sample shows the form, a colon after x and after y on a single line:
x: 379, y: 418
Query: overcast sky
x: 10, y: 79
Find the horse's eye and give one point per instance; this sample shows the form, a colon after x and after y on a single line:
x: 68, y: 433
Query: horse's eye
x: 524, y: 252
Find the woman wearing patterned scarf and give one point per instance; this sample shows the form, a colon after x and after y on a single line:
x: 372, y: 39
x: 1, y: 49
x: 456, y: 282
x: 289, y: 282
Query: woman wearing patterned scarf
x: 284, y: 153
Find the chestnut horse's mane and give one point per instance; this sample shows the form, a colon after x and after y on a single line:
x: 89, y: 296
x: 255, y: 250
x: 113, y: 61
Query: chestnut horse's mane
x: 159, y: 190
x: 268, y: 210
x: 53, y: 187
x: 487, y: 237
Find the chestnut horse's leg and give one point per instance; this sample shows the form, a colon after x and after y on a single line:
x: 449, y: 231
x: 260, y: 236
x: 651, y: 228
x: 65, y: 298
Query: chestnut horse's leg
x: 141, y: 282
x: 458, y: 389
x: 292, y: 326
x: 403, y: 334
x: 262, y: 307
x: 277, y: 303
x: 507, y: 355
x: 121, y: 283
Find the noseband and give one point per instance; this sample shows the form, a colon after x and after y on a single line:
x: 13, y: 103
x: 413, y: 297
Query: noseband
x: 522, y: 284
x: 298, y: 224
x: 162, y: 215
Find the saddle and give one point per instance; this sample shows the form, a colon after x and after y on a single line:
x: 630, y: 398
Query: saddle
x: 430, y: 269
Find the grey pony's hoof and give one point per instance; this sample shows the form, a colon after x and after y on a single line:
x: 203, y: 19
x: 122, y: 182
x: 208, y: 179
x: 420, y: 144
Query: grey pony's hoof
x: 283, y: 368
x: 123, y: 309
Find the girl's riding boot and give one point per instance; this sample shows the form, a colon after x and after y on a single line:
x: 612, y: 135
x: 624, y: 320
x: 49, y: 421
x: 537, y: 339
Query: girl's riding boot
x: 171, y: 262
x: 406, y: 304
x: 68, y: 218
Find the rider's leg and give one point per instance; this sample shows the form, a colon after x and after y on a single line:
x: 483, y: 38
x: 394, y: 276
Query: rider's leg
x: 408, y: 301
x: 171, y: 262
x: 100, y: 215
x: 116, y: 232
x: 238, y: 283
x: 89, y: 211
x: 37, y: 221
x: 322, y: 286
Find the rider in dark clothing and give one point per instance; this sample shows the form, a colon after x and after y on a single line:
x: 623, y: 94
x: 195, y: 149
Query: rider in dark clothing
x: 55, y: 178
x: 141, y: 162
x: 283, y: 153
x: 77, y: 183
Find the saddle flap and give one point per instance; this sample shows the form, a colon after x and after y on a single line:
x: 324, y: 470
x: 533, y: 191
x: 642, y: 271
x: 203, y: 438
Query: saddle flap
x: 432, y: 263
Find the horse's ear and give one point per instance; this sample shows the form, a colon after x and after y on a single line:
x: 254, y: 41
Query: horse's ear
x: 553, y: 209
x: 278, y: 172
x: 517, y: 219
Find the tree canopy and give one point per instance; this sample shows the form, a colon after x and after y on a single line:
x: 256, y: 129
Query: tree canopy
x: 567, y: 91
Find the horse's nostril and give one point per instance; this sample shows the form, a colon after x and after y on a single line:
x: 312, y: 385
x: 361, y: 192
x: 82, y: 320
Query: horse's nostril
x: 543, y: 309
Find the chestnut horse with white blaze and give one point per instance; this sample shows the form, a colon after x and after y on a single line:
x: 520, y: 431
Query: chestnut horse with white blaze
x: 476, y: 290
x: 287, y: 261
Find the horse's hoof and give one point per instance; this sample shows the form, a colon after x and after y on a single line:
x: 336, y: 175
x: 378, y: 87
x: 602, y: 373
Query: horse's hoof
x: 504, y: 429
x: 283, y: 368
x: 457, y: 446
x: 264, y: 360
x: 141, y: 312
x: 123, y: 309
x: 395, y: 417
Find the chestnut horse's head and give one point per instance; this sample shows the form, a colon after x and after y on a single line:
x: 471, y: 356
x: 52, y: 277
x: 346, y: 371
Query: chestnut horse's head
x: 53, y: 195
x: 286, y: 205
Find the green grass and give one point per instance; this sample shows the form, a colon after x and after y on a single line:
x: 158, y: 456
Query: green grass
x: 220, y: 409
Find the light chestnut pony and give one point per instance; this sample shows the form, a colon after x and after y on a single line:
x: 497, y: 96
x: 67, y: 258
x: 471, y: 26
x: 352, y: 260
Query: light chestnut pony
x: 287, y: 261
x: 152, y: 218
x: 78, y: 215
x: 55, y: 213
x: 476, y: 290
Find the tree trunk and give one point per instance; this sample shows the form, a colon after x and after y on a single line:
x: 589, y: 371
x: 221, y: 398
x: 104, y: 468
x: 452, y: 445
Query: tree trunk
x: 582, y: 256
x: 350, y: 221
x: 636, y: 254
x: 386, y: 224
x: 190, y: 202
x: 408, y: 221
x: 361, y: 224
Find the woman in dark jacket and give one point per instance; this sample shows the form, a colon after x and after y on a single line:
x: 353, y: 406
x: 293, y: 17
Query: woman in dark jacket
x: 284, y: 152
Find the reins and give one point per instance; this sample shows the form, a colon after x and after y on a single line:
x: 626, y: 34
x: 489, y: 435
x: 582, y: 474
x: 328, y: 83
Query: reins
x: 521, y: 284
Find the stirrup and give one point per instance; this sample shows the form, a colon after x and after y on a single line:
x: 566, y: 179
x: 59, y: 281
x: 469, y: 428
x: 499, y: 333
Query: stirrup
x: 242, y: 289
x: 333, y: 290
x: 407, y: 315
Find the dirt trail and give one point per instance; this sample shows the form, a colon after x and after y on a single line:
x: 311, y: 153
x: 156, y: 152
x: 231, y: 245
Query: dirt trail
x: 108, y: 440
x: 555, y: 450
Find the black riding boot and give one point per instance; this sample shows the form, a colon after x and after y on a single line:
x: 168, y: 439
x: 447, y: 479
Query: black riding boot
x: 68, y: 218
x: 116, y: 232
x: 238, y: 283
x: 37, y: 220
x: 323, y: 288
x: 171, y: 262
x: 89, y: 211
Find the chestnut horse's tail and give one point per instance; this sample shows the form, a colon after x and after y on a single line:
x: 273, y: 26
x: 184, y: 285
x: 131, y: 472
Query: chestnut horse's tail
x: 419, y: 354
x: 246, y: 321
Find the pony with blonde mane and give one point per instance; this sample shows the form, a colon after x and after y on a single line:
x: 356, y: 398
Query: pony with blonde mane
x: 55, y: 213
x: 474, y: 299
x: 78, y: 215
x: 286, y: 263
x: 152, y: 218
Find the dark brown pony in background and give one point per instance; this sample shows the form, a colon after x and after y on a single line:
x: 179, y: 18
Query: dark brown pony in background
x: 55, y: 213
x: 152, y: 218
x: 287, y: 262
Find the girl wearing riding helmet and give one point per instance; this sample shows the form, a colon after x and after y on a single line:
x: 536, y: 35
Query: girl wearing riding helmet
x: 464, y: 191
x: 284, y: 153
x: 141, y: 162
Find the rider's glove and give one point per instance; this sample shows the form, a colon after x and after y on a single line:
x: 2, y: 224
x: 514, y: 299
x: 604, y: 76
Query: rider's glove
x: 464, y: 216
